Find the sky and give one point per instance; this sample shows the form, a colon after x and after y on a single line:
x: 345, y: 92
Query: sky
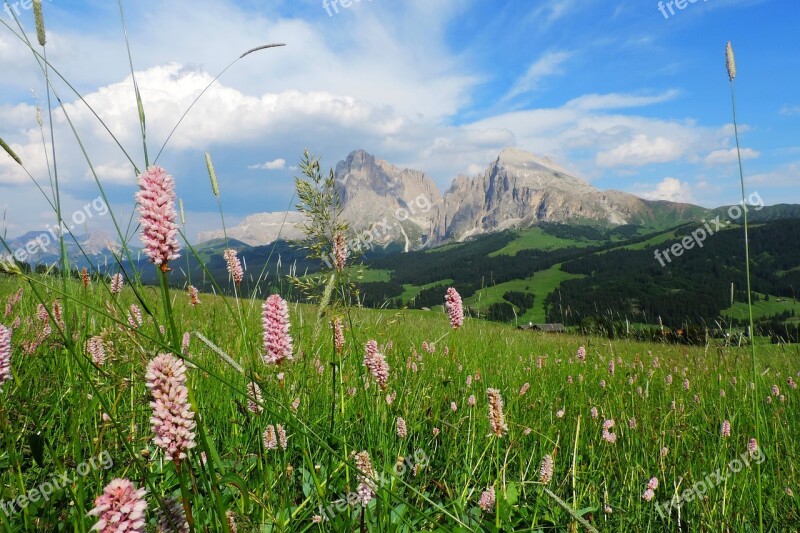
x: 627, y: 95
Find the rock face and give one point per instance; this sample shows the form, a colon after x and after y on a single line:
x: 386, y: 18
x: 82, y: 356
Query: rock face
x: 391, y: 203
x: 260, y: 229
x: 518, y: 190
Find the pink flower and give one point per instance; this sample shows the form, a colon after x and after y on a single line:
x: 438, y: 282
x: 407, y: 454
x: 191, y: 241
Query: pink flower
x: 117, y: 281
x: 278, y: 345
x: 452, y: 300
x: 187, y: 338
x: 338, y: 335
x: 546, y: 470
x: 97, y: 350
x: 685, y: 384
x: 270, y: 438
x: 135, y: 317
x: 648, y: 495
x: 194, y: 300
x: 560, y: 413
x: 5, y: 355
x: 254, y: 398
x: 653, y: 483
x: 496, y: 417
x: 171, y: 516
x: 173, y: 419
x: 632, y: 423
x: 234, y: 266
x: 401, y: 428
x: 366, y: 485
x: 156, y: 199
x: 376, y: 363
x: 121, y: 508
x: 471, y: 400
x: 524, y: 389
x: 581, y: 355
x: 340, y: 251
x: 726, y: 429
x: 283, y: 440
x: 664, y: 451
x: 611, y: 367
x: 594, y: 413
x: 487, y: 501
x: 752, y: 447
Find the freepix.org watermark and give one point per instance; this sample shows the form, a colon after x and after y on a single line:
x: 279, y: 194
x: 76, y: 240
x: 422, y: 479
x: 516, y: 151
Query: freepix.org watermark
x: 44, y: 240
x: 46, y: 489
x: 698, y: 236
x: 17, y: 7
x: 365, y: 239
x: 671, y: 5
x: 419, y: 460
x: 710, y: 481
x: 332, y: 6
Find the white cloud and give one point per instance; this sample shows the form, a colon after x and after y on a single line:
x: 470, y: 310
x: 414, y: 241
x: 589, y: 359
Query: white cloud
x: 642, y: 150
x: 723, y: 157
x: 786, y: 175
x: 546, y: 66
x: 620, y: 101
x: 788, y: 110
x: 278, y: 164
x: 670, y: 189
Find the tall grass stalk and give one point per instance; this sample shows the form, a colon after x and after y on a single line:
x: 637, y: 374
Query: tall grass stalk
x: 731, y: 66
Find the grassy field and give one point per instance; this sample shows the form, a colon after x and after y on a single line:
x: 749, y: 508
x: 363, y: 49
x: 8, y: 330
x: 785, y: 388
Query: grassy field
x: 60, y: 410
x: 540, y: 285
x: 539, y: 239
x: 762, y: 309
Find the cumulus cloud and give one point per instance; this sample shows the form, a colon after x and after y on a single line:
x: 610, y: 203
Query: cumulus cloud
x: 670, y: 189
x: 723, y: 157
x: 277, y: 164
x: 642, y: 150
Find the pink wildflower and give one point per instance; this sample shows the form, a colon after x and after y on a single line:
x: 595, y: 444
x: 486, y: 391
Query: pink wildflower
x: 171, y: 516
x: 173, y: 419
x: 97, y: 350
x: 401, y: 428
x: 496, y: 417
x: 277, y: 340
x: 340, y: 251
x: 254, y: 398
x: 366, y: 485
x: 156, y: 199
x: 581, y: 354
x: 376, y: 363
x: 270, y: 438
x: 338, y: 335
x: 487, y: 501
x: 455, y: 309
x: 117, y: 281
x: 121, y: 507
x: 546, y: 470
x: 5, y: 355
x: 726, y: 429
x: 234, y: 265
x: 194, y: 300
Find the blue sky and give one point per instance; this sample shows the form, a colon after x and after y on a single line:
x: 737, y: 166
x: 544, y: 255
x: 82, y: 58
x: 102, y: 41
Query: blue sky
x: 621, y: 95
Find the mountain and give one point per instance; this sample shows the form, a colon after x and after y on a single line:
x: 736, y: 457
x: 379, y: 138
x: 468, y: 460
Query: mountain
x: 260, y: 229
x: 396, y: 204
x: 518, y: 190
x: 42, y: 247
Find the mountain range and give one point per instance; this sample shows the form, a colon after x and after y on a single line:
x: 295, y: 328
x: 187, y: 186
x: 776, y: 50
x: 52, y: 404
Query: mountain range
x: 518, y: 190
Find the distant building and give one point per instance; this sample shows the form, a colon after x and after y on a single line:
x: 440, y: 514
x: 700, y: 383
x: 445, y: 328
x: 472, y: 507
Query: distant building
x: 547, y: 328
